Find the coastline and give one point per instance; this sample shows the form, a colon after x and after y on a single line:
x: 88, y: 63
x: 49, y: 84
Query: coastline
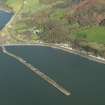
x: 12, y: 18
x: 8, y: 23
x: 5, y: 10
x: 63, y: 47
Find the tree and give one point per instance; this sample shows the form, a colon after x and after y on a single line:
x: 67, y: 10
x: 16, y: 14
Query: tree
x: 55, y: 32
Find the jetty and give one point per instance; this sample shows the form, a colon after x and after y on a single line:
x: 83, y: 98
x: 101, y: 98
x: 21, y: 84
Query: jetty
x: 37, y: 71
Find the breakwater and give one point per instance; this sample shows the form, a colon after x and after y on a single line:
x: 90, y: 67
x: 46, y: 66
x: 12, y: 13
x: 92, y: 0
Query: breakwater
x: 38, y: 72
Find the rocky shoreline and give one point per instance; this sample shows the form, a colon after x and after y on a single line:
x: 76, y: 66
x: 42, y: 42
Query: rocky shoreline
x: 63, y: 47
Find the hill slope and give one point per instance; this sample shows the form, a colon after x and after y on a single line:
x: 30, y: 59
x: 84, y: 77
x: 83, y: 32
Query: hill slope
x: 80, y: 23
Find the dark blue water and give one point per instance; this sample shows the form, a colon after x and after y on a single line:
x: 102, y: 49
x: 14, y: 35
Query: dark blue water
x: 19, y: 86
x: 4, y: 18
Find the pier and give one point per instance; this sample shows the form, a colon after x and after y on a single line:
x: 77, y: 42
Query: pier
x: 38, y: 72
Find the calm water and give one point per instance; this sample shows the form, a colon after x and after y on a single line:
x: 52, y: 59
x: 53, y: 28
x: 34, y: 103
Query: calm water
x: 19, y: 86
x: 4, y: 18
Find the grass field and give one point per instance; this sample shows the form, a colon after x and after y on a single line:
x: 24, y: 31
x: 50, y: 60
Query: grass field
x: 14, y: 4
x: 28, y: 6
x: 93, y: 34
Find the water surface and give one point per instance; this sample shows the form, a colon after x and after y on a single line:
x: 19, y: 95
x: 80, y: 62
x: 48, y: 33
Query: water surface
x: 19, y: 86
x: 4, y: 18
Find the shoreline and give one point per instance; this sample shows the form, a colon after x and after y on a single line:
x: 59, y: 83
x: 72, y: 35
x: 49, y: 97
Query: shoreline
x: 6, y: 10
x: 12, y: 18
x: 9, y: 22
x: 63, y: 47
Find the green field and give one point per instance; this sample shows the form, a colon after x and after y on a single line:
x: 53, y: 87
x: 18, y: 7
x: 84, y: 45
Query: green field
x: 27, y: 5
x: 93, y: 34
x: 14, y: 4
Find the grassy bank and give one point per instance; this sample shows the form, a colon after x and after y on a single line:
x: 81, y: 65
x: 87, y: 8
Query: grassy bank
x: 93, y: 34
